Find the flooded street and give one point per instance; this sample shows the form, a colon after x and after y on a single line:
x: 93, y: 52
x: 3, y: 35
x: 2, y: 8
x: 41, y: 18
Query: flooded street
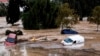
x: 51, y: 48
x: 54, y: 49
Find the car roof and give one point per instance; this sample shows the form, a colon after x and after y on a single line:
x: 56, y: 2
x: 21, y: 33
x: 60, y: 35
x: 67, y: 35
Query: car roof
x: 12, y: 35
x: 76, y: 37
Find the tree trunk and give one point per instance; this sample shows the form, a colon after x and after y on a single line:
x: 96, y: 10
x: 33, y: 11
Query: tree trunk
x: 97, y: 27
x: 81, y: 18
x: 61, y: 26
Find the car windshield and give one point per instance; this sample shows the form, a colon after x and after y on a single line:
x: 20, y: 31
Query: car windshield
x: 68, y: 40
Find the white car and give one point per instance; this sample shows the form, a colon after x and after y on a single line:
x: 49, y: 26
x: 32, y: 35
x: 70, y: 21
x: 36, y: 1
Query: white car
x: 74, y: 39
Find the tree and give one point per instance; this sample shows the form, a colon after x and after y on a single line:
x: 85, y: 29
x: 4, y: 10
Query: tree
x: 3, y: 10
x: 13, y: 12
x: 95, y: 18
x: 42, y: 14
x: 82, y: 7
x: 66, y: 16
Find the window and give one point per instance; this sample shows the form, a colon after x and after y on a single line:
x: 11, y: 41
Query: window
x: 68, y: 40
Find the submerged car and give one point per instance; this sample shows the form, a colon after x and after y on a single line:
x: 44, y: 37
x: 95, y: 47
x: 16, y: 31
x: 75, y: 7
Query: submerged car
x: 74, y: 39
x: 11, y: 39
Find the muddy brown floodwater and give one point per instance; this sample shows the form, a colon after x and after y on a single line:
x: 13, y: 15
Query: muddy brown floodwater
x: 91, y: 46
x: 55, y: 48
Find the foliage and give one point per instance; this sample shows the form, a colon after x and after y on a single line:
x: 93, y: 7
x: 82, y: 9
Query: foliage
x: 42, y: 14
x: 3, y: 10
x: 82, y: 7
x: 66, y: 16
x: 13, y: 12
x: 95, y: 18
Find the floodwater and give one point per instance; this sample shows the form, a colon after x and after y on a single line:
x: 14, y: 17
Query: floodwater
x: 55, y: 48
x: 50, y: 49
x: 91, y: 46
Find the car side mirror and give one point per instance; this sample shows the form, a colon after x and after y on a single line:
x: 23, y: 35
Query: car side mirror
x: 74, y: 42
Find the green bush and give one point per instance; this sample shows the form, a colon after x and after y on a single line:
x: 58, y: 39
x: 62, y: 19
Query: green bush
x: 3, y: 10
x: 42, y: 14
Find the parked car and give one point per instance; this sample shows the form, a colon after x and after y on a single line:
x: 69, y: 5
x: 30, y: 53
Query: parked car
x: 74, y: 39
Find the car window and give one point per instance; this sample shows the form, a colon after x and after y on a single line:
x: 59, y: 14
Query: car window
x: 68, y: 40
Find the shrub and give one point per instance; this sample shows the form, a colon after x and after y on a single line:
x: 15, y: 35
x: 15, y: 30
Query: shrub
x: 42, y: 14
x: 3, y: 10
